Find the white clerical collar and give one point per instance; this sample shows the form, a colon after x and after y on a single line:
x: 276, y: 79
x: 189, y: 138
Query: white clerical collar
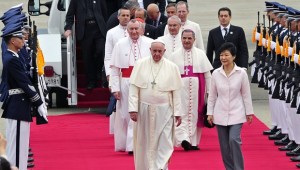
x: 184, y: 23
x: 122, y: 27
x: 156, y: 63
x: 135, y: 41
x: 188, y: 50
x: 16, y: 54
x: 174, y: 36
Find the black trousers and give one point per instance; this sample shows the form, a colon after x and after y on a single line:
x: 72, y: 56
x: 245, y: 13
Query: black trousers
x: 92, y: 47
x: 170, y: 1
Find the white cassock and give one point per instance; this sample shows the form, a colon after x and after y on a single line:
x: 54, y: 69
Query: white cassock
x: 124, y: 55
x: 112, y: 37
x: 191, y: 64
x: 156, y: 106
x: 172, y: 43
x: 196, y: 28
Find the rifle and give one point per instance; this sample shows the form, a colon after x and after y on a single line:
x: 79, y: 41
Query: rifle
x: 35, y: 76
x: 277, y: 76
x: 268, y: 63
x: 256, y: 54
x: 287, y: 69
x: 292, y: 75
x: 263, y: 56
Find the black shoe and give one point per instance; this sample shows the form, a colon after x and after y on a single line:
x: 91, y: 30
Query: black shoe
x: 30, y: 154
x: 289, y: 147
x: 277, y: 136
x: 270, y: 131
x: 186, y: 145
x: 295, y: 152
x: 284, y: 141
x: 91, y: 85
x: 295, y: 159
x: 30, y: 159
x: 298, y: 165
x: 29, y: 149
x: 30, y: 165
x: 130, y: 152
x: 195, y: 148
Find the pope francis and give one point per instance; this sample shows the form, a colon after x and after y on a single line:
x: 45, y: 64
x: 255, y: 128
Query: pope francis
x: 154, y: 103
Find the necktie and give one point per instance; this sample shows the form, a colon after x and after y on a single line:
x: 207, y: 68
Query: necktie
x: 226, y: 32
x: 155, y: 23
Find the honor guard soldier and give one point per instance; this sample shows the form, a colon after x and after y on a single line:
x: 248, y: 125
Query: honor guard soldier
x: 15, y: 16
x: 274, y: 31
x: 21, y: 96
x: 273, y: 78
x: 281, y: 75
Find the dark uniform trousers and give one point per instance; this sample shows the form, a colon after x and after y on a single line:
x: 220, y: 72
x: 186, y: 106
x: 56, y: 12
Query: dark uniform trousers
x: 92, y: 46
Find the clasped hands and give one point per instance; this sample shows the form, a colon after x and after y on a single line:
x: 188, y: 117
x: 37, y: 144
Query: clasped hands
x: 117, y: 95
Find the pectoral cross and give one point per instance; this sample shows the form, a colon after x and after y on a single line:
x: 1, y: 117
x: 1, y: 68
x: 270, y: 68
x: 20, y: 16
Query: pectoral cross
x: 153, y: 83
x: 186, y: 70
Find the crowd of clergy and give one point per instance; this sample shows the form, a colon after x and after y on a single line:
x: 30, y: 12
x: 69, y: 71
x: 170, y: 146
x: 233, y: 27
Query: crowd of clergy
x: 142, y: 129
x: 275, y: 68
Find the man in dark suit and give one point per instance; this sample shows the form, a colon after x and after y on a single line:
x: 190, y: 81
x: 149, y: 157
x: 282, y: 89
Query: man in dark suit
x: 113, y: 6
x: 154, y: 16
x: 90, y: 32
x: 113, y: 19
x: 171, y: 10
x: 141, y: 15
x: 227, y: 33
x: 175, y: 1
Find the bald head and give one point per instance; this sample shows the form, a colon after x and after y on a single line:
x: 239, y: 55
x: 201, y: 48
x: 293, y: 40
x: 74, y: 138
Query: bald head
x: 153, y: 11
x: 152, y: 7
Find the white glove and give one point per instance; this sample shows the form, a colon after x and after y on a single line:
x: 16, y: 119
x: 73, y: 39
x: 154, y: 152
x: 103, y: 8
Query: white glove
x: 42, y: 109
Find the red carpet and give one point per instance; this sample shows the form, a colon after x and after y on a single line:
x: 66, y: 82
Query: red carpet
x: 98, y: 97
x: 82, y: 142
